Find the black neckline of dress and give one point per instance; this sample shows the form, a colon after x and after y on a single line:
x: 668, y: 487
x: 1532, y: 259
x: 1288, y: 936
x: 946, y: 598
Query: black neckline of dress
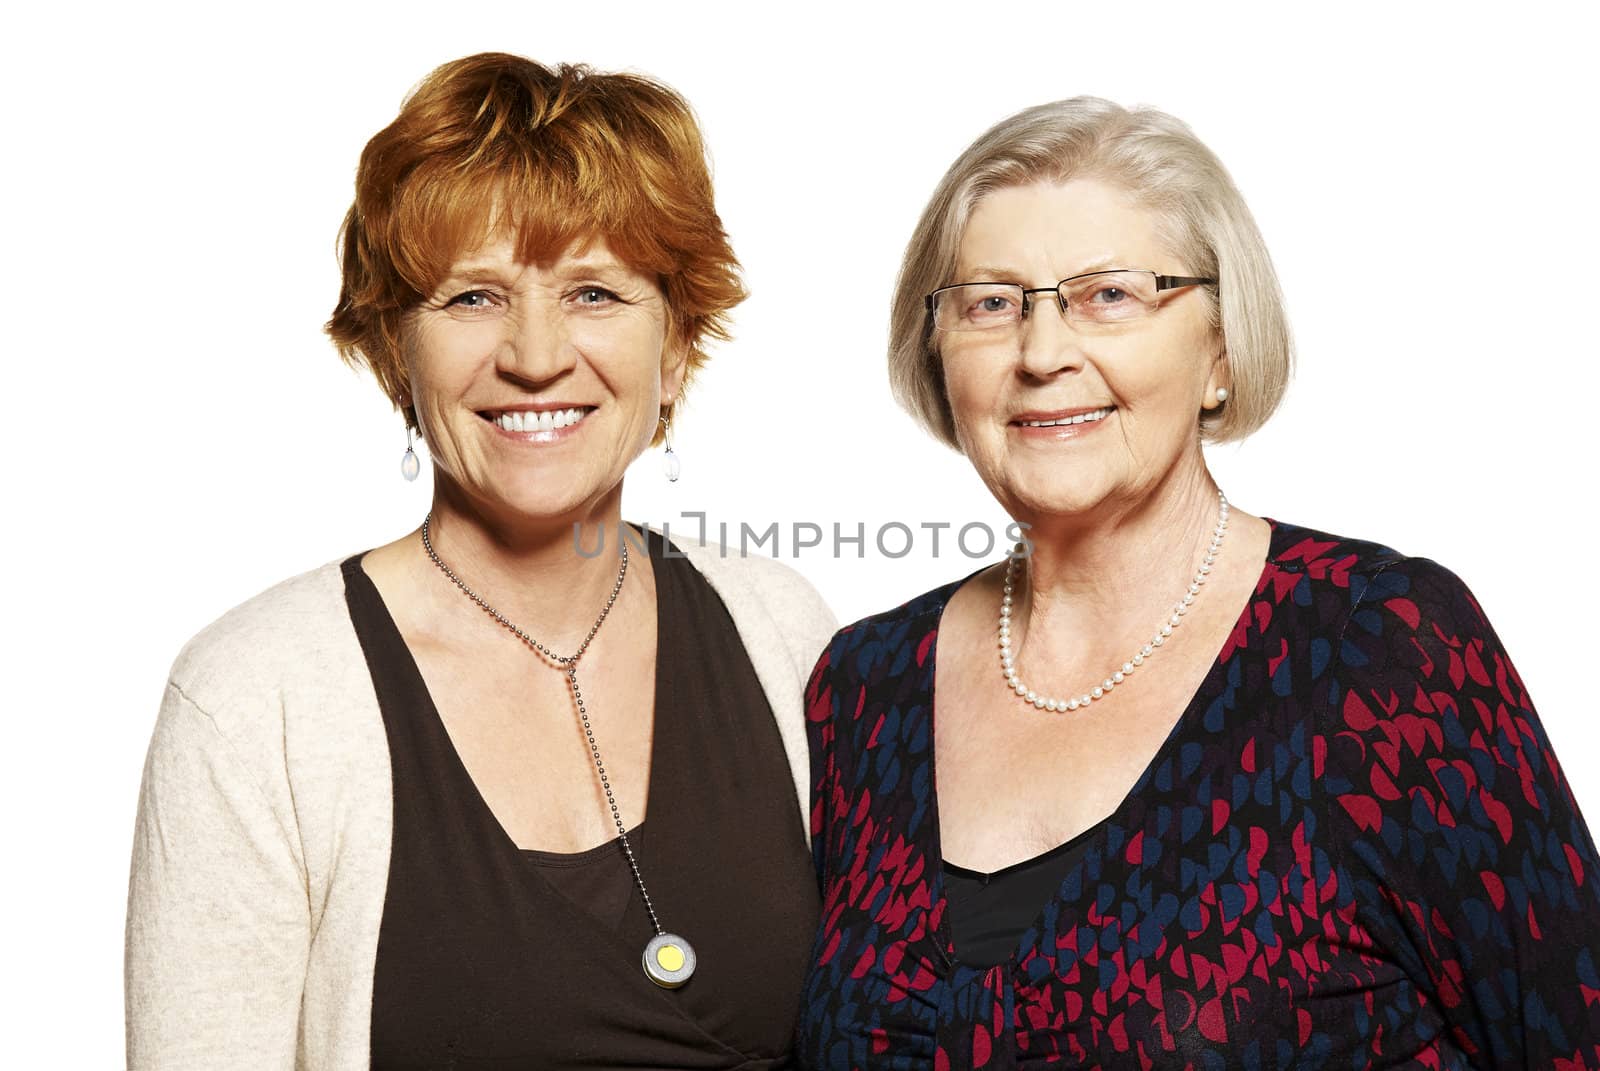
x: 675, y: 581
x: 655, y: 544
x: 942, y: 934
x: 1027, y: 864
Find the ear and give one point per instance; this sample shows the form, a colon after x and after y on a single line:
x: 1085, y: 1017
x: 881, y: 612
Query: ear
x: 674, y: 369
x: 405, y: 405
x: 1221, y: 376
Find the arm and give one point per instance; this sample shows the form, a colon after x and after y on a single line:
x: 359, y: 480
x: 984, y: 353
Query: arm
x: 1469, y: 857
x: 218, y: 929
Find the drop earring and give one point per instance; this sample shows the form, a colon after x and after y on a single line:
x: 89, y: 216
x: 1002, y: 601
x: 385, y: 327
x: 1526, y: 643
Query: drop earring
x: 410, y: 466
x: 669, y: 461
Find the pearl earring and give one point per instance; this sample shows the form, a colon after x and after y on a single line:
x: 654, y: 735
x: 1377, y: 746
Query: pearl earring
x: 410, y: 466
x: 670, y: 464
x: 1222, y: 394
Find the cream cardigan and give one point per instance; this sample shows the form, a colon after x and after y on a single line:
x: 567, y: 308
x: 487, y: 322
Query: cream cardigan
x: 261, y: 847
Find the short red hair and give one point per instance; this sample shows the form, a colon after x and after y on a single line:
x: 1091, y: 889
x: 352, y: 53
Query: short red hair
x: 552, y: 156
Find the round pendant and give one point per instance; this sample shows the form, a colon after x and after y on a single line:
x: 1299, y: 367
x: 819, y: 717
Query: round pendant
x: 668, y: 960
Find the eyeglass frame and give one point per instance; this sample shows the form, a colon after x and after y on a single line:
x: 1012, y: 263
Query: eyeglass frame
x: 1163, y: 282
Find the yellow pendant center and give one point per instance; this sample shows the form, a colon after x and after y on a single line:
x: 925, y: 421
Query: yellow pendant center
x: 669, y: 957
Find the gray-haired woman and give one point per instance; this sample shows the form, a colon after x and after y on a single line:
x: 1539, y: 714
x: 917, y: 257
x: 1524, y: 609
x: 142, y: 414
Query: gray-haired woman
x: 1212, y: 790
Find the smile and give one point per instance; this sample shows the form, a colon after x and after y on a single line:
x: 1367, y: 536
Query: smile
x: 523, y: 420
x: 1077, y: 418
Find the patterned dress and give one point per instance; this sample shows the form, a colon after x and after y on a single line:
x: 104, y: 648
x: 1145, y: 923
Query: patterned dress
x: 1355, y: 849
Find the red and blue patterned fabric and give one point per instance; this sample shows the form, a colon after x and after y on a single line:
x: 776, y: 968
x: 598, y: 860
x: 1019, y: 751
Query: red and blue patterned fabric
x: 1355, y: 849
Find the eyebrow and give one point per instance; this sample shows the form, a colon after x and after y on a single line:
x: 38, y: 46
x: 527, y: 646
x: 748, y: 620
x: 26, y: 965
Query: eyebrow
x: 628, y: 282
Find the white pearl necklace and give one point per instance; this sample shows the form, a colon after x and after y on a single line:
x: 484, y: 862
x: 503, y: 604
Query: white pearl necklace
x: 1008, y: 661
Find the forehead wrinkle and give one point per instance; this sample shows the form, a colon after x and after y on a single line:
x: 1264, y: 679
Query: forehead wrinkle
x: 992, y: 273
x: 989, y: 273
x: 486, y: 266
x: 1100, y: 263
x: 580, y: 254
x: 493, y: 255
x: 478, y: 272
x: 594, y: 266
x: 472, y: 273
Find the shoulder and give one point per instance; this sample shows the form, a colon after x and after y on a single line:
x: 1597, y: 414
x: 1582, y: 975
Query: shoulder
x: 1430, y: 730
x: 761, y: 577
x: 255, y: 651
x: 1316, y: 584
x: 762, y: 595
x: 891, y: 640
x: 1326, y: 558
x: 1381, y: 602
x: 873, y: 672
x: 1418, y: 625
x: 1417, y: 669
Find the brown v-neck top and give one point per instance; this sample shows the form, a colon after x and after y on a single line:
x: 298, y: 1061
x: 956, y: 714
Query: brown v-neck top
x: 490, y: 956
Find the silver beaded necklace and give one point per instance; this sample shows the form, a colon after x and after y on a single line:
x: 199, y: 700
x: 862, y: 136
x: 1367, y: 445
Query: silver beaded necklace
x: 1008, y: 659
x: 668, y: 959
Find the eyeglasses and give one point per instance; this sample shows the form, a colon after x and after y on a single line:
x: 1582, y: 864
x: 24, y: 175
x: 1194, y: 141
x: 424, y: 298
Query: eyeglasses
x: 1107, y: 298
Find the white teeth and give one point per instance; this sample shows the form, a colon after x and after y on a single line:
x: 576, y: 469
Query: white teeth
x: 1081, y: 418
x: 546, y: 420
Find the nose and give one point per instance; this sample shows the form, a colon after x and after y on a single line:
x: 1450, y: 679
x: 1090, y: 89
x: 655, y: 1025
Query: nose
x: 537, y: 347
x: 1047, y: 342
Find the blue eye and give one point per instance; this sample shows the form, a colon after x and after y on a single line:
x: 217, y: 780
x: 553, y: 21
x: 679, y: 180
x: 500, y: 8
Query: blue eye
x: 986, y: 303
x: 472, y: 299
x: 594, y: 296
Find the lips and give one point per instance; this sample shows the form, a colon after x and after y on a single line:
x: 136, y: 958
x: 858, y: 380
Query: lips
x: 1063, y: 418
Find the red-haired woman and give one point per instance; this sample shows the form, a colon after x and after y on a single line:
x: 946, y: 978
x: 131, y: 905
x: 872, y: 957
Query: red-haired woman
x: 483, y: 797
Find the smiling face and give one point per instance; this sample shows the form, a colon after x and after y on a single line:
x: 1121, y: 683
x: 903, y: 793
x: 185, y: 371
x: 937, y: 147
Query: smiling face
x: 1136, y: 388
x: 536, y: 385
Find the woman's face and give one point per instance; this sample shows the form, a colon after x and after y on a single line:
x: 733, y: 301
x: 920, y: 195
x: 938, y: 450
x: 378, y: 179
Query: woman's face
x: 536, y: 385
x: 1152, y: 376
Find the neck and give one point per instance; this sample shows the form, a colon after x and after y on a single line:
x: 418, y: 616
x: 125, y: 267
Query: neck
x: 1120, y: 566
x: 530, y: 571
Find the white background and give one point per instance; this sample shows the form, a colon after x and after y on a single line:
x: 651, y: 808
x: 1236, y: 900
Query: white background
x: 180, y: 435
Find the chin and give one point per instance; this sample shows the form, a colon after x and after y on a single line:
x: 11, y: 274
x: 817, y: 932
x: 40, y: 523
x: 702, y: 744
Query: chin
x: 536, y: 503
x: 1052, y: 494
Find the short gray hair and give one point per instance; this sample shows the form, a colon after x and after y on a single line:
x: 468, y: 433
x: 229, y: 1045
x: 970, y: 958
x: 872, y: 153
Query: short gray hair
x: 1159, y: 162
